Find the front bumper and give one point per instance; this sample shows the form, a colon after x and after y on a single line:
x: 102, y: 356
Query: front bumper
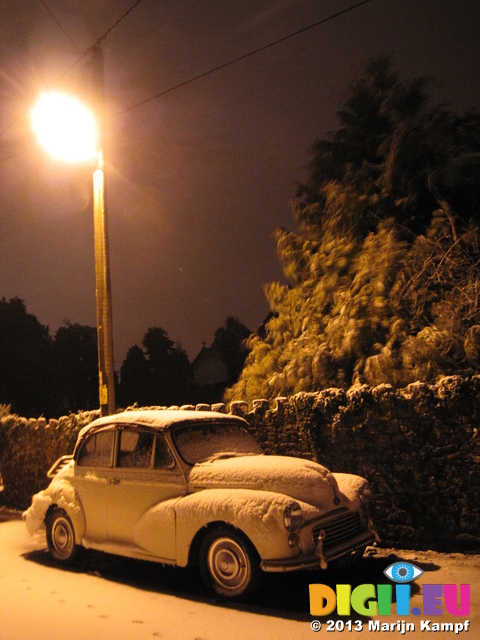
x: 318, y: 560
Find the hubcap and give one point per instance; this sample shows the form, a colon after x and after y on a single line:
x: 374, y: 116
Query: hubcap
x: 228, y: 563
x: 62, y: 537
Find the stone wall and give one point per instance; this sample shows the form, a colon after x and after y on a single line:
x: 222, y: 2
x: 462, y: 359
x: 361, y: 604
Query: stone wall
x: 419, y: 447
x: 29, y: 447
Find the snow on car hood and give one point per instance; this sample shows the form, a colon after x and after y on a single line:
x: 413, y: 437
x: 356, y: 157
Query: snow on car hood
x: 301, y: 479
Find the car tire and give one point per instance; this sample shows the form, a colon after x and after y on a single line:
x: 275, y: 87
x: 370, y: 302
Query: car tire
x: 229, y: 565
x: 61, y: 537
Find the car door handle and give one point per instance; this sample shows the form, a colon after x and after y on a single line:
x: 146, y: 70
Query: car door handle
x: 114, y: 481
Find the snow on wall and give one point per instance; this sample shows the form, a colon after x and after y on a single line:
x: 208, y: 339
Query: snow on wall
x: 419, y: 447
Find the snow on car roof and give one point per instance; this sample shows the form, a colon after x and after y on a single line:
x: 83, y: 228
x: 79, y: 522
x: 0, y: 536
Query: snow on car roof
x: 159, y: 419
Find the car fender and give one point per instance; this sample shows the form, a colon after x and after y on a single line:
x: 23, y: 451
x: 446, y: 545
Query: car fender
x: 352, y: 487
x: 60, y: 493
x: 67, y: 498
x: 258, y: 514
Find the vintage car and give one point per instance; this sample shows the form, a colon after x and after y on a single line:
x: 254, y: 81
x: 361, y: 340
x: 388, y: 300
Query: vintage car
x: 181, y: 487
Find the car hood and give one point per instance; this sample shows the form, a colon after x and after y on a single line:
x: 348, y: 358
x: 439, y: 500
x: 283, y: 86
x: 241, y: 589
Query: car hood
x: 300, y: 479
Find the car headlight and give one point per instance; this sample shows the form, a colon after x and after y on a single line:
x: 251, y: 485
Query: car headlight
x: 292, y: 516
x: 365, y: 494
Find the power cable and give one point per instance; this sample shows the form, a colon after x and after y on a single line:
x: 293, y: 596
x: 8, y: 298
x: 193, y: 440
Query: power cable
x: 242, y: 57
x: 116, y: 23
x: 80, y: 57
x: 194, y: 78
x: 59, y: 25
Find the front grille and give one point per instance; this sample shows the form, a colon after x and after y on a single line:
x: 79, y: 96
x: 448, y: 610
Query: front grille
x: 339, y: 530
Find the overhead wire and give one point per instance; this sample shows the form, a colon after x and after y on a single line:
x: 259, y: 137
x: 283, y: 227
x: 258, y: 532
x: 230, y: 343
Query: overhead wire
x: 184, y: 83
x: 59, y: 25
x: 242, y: 57
x: 117, y: 22
x: 98, y: 41
x: 80, y: 57
x: 195, y: 78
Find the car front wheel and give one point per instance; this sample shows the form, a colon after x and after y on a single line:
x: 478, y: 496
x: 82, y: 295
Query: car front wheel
x: 229, y: 565
x: 61, y: 537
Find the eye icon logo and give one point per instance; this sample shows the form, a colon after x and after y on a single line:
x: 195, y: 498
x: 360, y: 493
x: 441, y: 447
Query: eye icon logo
x: 403, y: 572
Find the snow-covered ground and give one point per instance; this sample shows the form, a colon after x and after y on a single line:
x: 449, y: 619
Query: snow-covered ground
x: 107, y: 597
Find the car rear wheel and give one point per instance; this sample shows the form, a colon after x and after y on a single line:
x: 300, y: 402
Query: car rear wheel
x: 61, y: 537
x: 229, y: 565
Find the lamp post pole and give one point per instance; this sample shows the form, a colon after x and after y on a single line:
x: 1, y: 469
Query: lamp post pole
x: 106, y: 374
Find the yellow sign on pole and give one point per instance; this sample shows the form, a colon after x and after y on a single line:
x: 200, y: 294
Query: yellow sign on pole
x: 103, y: 394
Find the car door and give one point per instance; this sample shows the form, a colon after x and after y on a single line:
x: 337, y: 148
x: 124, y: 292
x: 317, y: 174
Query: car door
x: 145, y: 474
x: 93, y: 470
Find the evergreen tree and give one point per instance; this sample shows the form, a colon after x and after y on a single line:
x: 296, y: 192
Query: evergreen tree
x: 383, y: 268
x: 76, y: 358
x: 160, y: 374
x: 230, y: 341
x: 134, y: 378
x: 26, y: 371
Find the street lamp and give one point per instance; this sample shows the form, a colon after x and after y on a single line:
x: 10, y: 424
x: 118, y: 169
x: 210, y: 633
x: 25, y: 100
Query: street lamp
x: 67, y: 129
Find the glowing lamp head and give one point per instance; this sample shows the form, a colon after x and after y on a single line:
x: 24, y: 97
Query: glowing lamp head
x: 65, y: 127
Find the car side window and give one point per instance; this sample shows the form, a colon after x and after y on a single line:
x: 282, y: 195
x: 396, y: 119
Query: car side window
x: 163, y: 457
x: 135, y: 449
x: 97, y: 450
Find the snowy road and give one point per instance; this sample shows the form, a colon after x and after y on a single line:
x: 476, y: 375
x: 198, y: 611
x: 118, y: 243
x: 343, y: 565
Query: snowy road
x: 108, y: 597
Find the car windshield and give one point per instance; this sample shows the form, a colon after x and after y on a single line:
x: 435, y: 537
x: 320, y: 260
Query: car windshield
x: 207, y: 441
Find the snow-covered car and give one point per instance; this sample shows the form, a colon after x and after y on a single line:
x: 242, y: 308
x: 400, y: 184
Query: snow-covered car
x: 189, y: 487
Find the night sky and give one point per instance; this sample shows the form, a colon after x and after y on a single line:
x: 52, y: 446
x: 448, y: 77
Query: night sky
x: 199, y: 178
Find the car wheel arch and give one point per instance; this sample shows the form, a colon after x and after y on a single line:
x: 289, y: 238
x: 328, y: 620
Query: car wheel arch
x: 49, y: 511
x: 228, y: 562
x: 212, y: 526
x: 75, y: 514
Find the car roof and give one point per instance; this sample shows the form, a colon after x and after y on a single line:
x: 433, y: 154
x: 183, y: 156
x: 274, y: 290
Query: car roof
x: 159, y: 419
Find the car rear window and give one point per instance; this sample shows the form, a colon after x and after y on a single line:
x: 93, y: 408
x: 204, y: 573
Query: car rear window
x: 136, y: 449
x: 143, y: 450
